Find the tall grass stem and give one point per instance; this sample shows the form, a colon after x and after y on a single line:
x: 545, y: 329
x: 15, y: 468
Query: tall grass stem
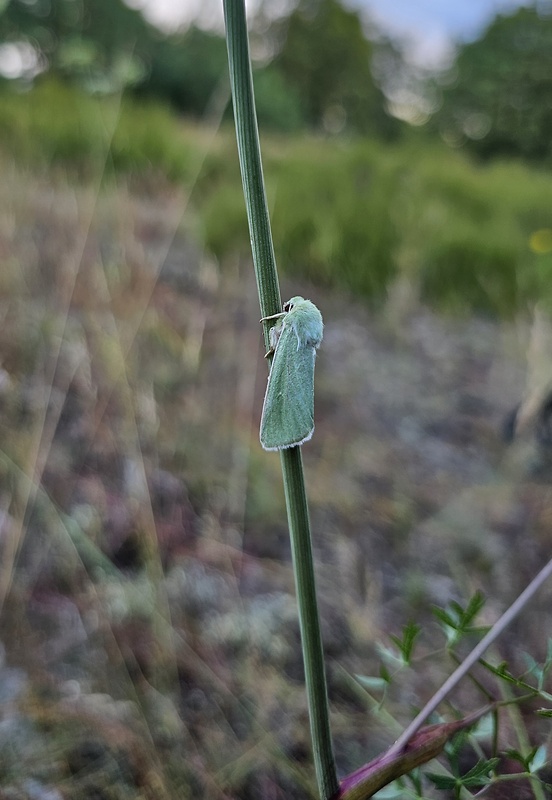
x: 249, y: 152
x: 292, y: 468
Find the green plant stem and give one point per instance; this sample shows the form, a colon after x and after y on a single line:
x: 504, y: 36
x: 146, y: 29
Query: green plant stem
x: 311, y: 638
x: 249, y: 152
x: 292, y: 467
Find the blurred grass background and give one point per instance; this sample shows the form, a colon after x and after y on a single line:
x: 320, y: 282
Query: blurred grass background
x: 467, y: 237
x: 149, y: 639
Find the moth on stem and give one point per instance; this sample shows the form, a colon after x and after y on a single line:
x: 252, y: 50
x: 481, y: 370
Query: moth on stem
x: 287, y: 419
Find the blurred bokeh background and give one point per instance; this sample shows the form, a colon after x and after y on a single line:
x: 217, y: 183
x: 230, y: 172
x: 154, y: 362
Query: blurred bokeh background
x: 149, y: 641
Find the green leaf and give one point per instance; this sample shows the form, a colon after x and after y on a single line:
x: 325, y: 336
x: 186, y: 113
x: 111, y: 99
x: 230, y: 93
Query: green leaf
x: 406, y: 644
x: 484, y: 729
x: 442, y: 781
x: 390, y: 656
x: 534, y: 668
x: 415, y: 777
x: 458, y: 621
x: 539, y: 759
x: 442, y: 615
x: 456, y: 744
x: 474, y: 607
x: 372, y: 682
x: 390, y: 792
x: 502, y: 672
x: 515, y: 755
x: 479, y: 773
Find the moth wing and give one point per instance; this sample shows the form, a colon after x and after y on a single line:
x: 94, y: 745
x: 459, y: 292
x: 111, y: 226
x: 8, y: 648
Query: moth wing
x: 288, y: 409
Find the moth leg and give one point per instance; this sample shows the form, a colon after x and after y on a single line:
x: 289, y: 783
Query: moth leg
x: 274, y: 332
x: 273, y: 316
x: 274, y: 335
x: 273, y: 342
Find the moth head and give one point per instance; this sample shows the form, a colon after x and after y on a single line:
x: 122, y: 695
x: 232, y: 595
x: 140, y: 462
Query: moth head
x: 291, y: 303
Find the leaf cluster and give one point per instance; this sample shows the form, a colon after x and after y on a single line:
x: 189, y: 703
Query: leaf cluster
x: 458, y: 623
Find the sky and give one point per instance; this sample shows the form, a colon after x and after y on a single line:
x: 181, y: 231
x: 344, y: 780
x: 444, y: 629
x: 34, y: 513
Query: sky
x: 427, y: 28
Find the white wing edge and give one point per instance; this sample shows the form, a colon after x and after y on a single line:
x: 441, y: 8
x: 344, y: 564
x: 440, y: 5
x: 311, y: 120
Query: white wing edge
x: 307, y: 438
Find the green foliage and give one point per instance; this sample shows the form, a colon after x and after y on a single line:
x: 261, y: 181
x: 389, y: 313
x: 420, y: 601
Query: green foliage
x: 475, y: 778
x: 464, y: 269
x: 498, y: 97
x: 278, y: 104
x: 325, y: 55
x: 333, y: 221
x: 59, y: 124
x: 187, y: 69
x: 458, y: 625
x: 540, y: 671
x: 358, y: 214
x: 79, y: 39
x: 531, y: 762
x: 406, y: 643
x: 322, y: 76
x: 225, y: 221
x: 190, y: 70
x: 147, y: 137
x: 52, y: 124
x: 456, y: 621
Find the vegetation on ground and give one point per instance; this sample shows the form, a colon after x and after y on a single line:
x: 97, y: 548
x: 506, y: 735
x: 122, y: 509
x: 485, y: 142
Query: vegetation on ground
x: 355, y: 213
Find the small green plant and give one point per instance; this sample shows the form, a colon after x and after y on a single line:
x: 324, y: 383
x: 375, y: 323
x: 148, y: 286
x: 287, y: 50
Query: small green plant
x: 457, y: 625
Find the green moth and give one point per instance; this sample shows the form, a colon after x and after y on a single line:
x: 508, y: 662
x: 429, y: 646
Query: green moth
x: 288, y: 410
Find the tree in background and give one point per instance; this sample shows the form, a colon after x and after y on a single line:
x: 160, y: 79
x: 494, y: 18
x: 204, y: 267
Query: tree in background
x: 320, y: 77
x: 102, y: 43
x: 191, y: 71
x: 499, y: 93
x: 324, y: 52
x: 186, y: 69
